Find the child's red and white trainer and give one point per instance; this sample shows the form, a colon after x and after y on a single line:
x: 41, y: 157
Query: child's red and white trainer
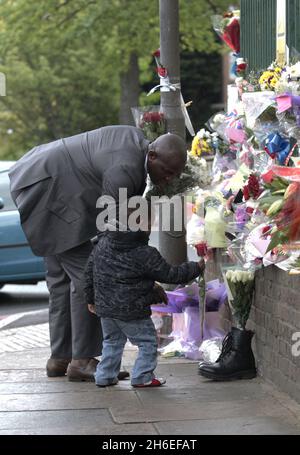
x: 155, y: 382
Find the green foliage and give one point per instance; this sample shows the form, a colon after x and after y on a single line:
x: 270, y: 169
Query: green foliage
x: 63, y: 60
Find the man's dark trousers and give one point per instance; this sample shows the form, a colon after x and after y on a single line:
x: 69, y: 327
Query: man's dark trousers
x: 67, y: 307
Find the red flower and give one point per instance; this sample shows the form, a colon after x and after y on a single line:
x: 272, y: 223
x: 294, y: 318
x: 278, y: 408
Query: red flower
x: 249, y: 210
x: 152, y: 117
x: 266, y: 231
x: 202, y: 249
x: 268, y: 176
x: 242, y: 67
x: 246, y: 193
x: 156, y: 53
x: 252, y: 189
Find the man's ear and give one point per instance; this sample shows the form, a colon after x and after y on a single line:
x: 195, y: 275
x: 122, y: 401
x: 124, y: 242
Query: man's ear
x: 152, y: 155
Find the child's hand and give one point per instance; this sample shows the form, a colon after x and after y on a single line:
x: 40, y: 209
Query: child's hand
x: 161, y: 293
x: 91, y: 308
x: 201, y: 264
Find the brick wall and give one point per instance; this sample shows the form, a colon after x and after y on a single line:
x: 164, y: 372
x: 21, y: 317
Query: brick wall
x: 275, y: 317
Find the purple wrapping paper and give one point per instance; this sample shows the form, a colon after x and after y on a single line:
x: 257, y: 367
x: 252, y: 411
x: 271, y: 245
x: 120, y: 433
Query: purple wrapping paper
x: 189, y: 297
x: 179, y: 299
x: 184, y: 305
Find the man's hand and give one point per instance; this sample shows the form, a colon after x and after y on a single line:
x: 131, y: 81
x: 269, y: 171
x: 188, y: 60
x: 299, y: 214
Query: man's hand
x: 91, y: 308
x: 161, y: 293
x: 201, y: 264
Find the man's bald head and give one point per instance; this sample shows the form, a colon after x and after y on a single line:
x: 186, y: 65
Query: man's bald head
x: 166, y: 158
x: 170, y: 146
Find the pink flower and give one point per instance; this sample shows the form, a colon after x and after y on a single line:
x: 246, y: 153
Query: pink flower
x: 162, y: 72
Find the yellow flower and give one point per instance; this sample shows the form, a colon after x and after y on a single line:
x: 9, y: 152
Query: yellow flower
x: 196, y: 151
x: 269, y: 79
x: 199, y: 146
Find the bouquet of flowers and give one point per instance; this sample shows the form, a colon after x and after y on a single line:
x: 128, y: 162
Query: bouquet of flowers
x: 194, y: 175
x: 241, y: 68
x: 151, y: 120
x: 281, y: 204
x: 228, y: 28
x: 204, y: 142
x: 270, y: 78
x: 240, y: 288
x: 289, y: 80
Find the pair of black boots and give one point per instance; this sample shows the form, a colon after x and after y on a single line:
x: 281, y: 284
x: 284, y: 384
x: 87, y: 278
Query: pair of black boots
x: 236, y: 360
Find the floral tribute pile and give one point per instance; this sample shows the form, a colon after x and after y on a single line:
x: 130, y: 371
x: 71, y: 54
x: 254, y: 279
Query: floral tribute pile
x: 252, y: 207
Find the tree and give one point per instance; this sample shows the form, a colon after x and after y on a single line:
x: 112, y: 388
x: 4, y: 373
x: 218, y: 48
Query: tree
x: 71, y: 64
x: 56, y: 82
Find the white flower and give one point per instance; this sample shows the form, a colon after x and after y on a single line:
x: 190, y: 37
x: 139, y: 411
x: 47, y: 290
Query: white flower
x: 234, y: 276
x: 250, y: 276
x: 202, y: 163
x: 239, y: 276
x: 229, y: 275
x: 201, y: 133
x: 244, y: 277
x: 295, y: 70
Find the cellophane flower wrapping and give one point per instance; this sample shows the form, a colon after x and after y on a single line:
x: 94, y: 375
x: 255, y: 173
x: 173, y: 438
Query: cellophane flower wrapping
x: 228, y: 28
x: 151, y: 120
x: 281, y: 204
x: 214, y: 224
x: 257, y: 103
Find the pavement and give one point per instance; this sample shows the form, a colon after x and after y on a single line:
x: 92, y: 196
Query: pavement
x: 32, y: 404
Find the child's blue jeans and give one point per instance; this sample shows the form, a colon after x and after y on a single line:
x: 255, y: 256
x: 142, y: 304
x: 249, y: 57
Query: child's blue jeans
x: 141, y: 333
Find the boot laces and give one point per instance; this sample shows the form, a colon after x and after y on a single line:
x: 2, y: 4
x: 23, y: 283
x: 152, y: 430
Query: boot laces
x: 226, y: 346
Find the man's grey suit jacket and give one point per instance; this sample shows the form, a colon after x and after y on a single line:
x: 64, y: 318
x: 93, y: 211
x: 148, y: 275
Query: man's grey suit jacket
x: 55, y: 186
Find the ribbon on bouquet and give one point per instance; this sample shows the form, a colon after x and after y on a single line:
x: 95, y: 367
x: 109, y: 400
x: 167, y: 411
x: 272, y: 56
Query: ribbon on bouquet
x: 288, y: 101
x: 279, y: 148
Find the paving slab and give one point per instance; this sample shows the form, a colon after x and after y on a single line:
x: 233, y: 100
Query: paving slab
x: 43, y: 420
x: 90, y: 429
x: 27, y: 375
x: 25, y: 359
x: 230, y: 426
x: 198, y: 411
x: 31, y: 403
x: 98, y: 399
x: 81, y: 422
x: 188, y: 395
x: 49, y: 386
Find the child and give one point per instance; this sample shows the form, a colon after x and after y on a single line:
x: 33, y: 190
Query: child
x: 120, y: 288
